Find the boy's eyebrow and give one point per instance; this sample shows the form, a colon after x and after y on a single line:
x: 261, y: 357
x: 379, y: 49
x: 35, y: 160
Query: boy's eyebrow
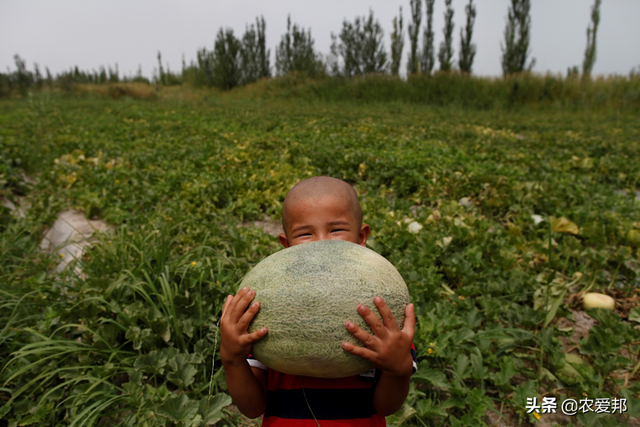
x: 303, y: 227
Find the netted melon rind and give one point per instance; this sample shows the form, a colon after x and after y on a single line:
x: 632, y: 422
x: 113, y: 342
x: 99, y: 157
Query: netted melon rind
x: 307, y: 293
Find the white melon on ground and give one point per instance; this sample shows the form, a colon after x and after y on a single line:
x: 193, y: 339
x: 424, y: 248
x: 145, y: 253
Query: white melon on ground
x: 597, y: 300
x: 69, y: 236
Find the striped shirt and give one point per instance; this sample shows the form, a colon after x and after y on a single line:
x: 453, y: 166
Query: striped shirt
x: 293, y: 401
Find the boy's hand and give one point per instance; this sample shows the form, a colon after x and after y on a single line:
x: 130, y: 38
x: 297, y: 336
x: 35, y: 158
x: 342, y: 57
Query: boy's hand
x: 389, y: 348
x: 235, y: 340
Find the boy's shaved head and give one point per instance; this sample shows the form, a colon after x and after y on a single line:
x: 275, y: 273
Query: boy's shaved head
x: 319, y: 187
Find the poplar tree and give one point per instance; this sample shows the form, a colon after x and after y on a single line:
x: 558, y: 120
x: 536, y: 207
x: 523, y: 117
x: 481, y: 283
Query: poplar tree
x: 160, y: 69
x: 255, y: 55
x: 360, y: 46
x: 227, y: 60
x: 397, y: 44
x: 428, y: 57
x: 205, y: 71
x: 515, y: 50
x: 467, y: 49
x: 413, y: 64
x: 296, y: 52
x: 445, y: 54
x: 590, y: 51
x: 22, y: 77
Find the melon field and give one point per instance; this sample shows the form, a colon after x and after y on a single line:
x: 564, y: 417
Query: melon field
x: 498, y: 220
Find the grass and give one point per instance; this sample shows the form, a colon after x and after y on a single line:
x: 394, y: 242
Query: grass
x: 522, y: 210
x: 459, y: 90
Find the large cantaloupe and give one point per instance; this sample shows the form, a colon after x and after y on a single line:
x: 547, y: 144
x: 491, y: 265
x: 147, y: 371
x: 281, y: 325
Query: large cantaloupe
x: 307, y: 293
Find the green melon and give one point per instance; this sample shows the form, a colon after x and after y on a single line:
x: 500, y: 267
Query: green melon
x: 307, y: 293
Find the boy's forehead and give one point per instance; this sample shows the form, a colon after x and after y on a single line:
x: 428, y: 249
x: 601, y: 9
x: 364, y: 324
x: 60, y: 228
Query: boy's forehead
x: 320, y: 186
x: 326, y: 202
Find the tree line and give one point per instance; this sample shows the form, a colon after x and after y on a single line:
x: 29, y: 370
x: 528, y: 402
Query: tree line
x: 358, y: 49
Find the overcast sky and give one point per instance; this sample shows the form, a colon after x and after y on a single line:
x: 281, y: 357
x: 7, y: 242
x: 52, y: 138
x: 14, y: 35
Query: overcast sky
x: 60, y: 34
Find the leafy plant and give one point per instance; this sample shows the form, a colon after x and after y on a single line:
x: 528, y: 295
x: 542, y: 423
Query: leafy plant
x: 361, y: 48
x: 296, y: 53
x: 515, y: 51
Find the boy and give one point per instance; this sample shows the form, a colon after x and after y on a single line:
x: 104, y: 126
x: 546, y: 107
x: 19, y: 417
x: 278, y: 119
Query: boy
x: 317, y: 209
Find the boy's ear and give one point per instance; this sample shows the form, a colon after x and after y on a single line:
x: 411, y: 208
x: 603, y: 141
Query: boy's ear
x: 364, y: 233
x: 283, y: 240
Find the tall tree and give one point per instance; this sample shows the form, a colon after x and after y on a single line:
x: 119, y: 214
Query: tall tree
x: 161, y: 76
x: 413, y: 64
x: 360, y: 46
x: 467, y: 49
x: 445, y: 54
x: 227, y: 60
x: 397, y: 44
x: 23, y: 77
x: 255, y: 55
x: 296, y: 52
x: 515, y: 50
x: 428, y: 56
x: 204, y: 74
x: 590, y: 51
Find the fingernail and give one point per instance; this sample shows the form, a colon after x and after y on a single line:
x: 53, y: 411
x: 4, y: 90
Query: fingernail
x: 377, y: 299
x: 245, y: 288
x: 250, y: 293
x: 345, y: 345
x: 254, y: 305
x: 361, y: 307
x: 350, y: 325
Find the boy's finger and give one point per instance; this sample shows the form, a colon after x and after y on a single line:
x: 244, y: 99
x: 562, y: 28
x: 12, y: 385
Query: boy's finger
x: 409, y: 321
x: 386, y: 314
x: 361, y: 335
x: 376, y: 325
x: 232, y: 301
x: 255, y: 336
x: 359, y: 351
x: 248, y: 316
x: 226, y: 304
x: 242, y: 301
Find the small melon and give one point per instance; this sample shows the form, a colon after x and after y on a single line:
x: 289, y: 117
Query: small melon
x: 596, y: 300
x: 307, y: 293
x: 633, y: 236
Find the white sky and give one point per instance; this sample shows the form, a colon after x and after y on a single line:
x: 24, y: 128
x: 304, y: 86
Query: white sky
x: 60, y: 34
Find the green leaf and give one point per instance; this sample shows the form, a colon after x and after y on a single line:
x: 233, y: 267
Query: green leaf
x: 563, y: 225
x: 436, y: 378
x: 634, y: 315
x: 4, y: 409
x: 507, y: 370
x: 427, y: 408
x: 211, y: 408
x: 404, y: 414
x: 183, y: 371
x: 137, y: 336
x: 179, y: 408
x: 461, y: 366
x: 162, y: 329
x: 153, y: 362
x: 554, y: 308
x: 463, y: 334
x: 524, y: 391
